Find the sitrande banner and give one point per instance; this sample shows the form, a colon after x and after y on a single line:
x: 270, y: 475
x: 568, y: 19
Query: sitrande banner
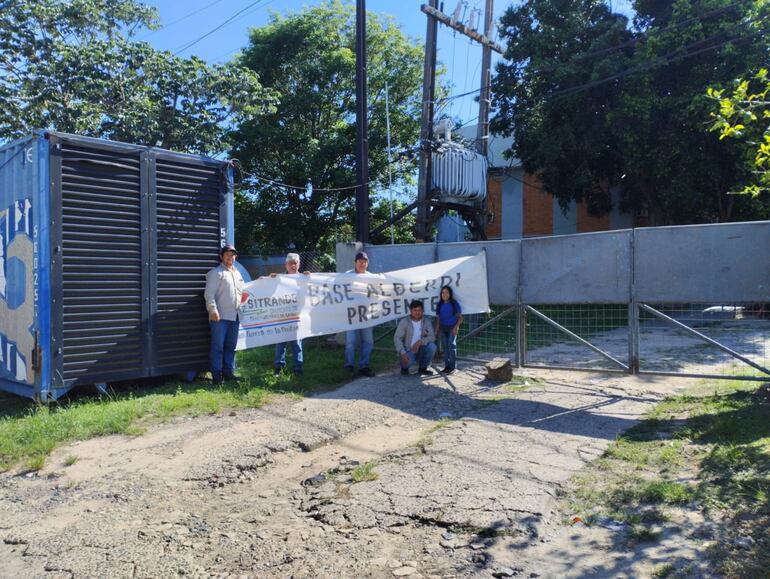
x: 288, y: 307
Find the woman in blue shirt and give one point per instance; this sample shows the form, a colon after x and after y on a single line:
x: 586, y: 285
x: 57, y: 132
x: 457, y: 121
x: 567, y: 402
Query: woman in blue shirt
x: 448, y: 319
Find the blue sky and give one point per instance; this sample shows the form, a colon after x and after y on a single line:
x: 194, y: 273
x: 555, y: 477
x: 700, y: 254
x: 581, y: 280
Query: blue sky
x: 187, y: 21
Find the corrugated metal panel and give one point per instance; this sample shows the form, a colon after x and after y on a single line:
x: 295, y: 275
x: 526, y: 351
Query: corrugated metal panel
x: 101, y: 264
x: 187, y: 213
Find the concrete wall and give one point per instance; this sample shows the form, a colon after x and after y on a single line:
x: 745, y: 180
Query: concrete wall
x: 721, y: 263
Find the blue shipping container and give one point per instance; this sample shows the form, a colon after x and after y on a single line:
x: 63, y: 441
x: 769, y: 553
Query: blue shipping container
x: 103, y: 253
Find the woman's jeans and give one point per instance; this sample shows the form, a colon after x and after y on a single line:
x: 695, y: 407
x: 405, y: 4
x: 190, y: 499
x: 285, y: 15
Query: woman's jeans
x: 449, y: 345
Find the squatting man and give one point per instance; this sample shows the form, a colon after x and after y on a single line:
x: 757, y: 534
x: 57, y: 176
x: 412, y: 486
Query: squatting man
x: 415, y: 340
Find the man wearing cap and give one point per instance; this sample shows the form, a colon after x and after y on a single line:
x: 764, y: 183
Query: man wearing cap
x: 365, y: 335
x: 415, y: 340
x: 224, y: 288
x: 279, y: 363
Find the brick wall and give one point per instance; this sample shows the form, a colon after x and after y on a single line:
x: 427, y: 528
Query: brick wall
x: 494, y: 230
x: 538, y: 208
x: 587, y: 222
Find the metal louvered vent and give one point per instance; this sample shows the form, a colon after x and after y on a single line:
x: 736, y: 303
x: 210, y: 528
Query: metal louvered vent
x: 101, y: 257
x: 188, y: 198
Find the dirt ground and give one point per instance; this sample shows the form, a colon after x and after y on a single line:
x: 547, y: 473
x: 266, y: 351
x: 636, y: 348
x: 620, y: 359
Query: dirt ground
x: 271, y: 492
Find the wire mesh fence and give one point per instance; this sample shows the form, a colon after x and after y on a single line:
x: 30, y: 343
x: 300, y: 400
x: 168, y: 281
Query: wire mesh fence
x: 666, y: 346
x: 481, y: 336
x: 484, y: 336
x: 599, y: 336
x: 554, y: 334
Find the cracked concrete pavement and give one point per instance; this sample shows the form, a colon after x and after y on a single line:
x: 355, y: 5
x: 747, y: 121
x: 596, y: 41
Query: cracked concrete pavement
x: 273, y: 493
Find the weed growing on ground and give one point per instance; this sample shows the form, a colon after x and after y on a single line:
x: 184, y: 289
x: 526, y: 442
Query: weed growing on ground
x: 643, y: 533
x: 70, y: 460
x: 425, y: 439
x: 364, y: 472
x: 663, y: 571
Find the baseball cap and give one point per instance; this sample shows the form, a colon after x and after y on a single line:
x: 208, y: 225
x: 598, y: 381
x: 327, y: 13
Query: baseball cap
x: 361, y: 255
x: 226, y: 248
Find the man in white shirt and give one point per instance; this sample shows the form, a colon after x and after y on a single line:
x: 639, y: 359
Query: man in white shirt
x: 415, y: 340
x: 224, y: 290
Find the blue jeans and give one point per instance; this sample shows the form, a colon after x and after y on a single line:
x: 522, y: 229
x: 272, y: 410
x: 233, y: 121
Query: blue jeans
x: 367, y: 345
x: 449, y: 345
x: 423, y: 356
x: 280, y: 354
x: 224, y: 338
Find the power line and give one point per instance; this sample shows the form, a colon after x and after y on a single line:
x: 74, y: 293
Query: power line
x: 218, y: 27
x: 185, y: 17
x: 236, y: 163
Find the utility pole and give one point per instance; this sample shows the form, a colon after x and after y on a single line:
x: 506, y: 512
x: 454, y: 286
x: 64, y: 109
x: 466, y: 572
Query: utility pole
x: 482, y: 133
x: 425, y: 217
x: 424, y: 185
x: 362, y: 140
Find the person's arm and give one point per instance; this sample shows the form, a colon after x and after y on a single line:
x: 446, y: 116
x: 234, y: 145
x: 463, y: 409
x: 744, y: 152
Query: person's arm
x: 398, y: 338
x: 456, y: 327
x: 209, y: 294
x: 430, y: 335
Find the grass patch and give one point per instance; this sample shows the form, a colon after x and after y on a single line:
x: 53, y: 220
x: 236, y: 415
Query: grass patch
x: 663, y: 571
x: 29, y: 432
x: 441, y: 423
x: 708, y: 449
x: 425, y: 439
x: 642, y: 533
x: 364, y: 472
x: 70, y: 460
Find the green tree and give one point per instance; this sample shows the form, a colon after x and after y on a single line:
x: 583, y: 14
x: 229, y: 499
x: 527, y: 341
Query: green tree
x: 73, y: 66
x: 308, y: 60
x: 743, y: 114
x: 596, y: 103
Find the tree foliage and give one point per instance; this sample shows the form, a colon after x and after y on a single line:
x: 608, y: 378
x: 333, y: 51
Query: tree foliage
x: 308, y: 60
x: 597, y: 103
x: 73, y: 66
x: 744, y: 114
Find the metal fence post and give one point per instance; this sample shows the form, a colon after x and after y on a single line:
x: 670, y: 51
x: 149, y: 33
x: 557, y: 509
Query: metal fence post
x: 521, y: 315
x: 633, y: 313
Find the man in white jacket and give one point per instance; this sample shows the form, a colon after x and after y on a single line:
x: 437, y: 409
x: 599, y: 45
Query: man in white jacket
x: 224, y: 289
x: 415, y: 340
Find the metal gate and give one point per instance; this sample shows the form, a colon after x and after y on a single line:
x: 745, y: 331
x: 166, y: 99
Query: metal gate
x: 682, y: 300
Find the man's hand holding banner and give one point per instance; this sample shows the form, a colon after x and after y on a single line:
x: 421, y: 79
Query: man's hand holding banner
x: 287, y: 307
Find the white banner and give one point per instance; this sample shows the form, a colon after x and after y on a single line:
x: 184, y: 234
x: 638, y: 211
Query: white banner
x: 288, y: 307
